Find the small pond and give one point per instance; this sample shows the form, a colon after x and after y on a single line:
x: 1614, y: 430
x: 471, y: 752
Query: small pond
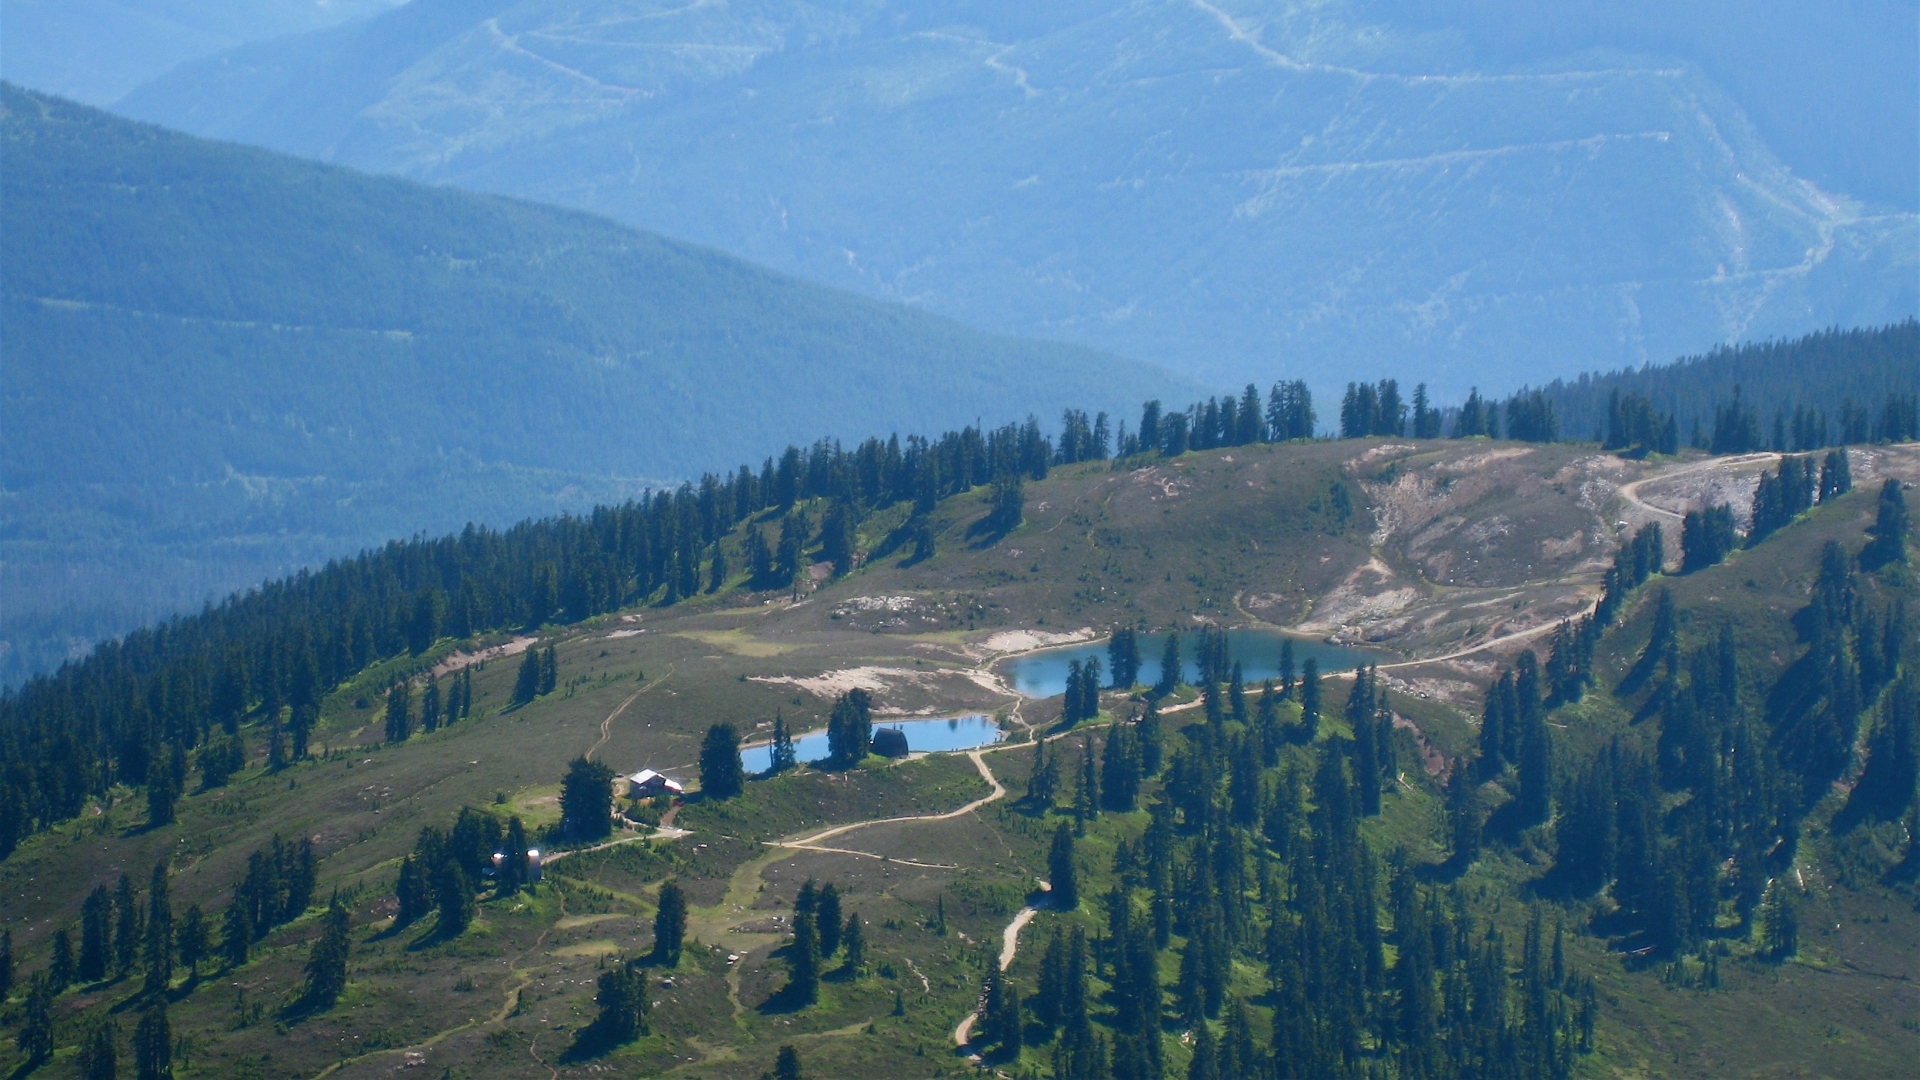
x: 947, y: 733
x: 1044, y: 674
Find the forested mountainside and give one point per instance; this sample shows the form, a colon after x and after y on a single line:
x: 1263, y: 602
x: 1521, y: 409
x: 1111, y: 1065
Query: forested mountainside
x: 1626, y: 785
x: 1819, y: 390
x: 221, y: 364
x: 1508, y: 196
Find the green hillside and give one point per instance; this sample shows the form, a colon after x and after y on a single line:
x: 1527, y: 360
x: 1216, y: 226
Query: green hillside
x: 221, y: 364
x: 1388, y: 890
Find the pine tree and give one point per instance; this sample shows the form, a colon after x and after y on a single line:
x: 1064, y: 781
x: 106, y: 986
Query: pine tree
x: 153, y: 1043
x: 549, y: 671
x: 1464, y: 814
x: 162, y: 792
x: 622, y: 1000
x: 99, y: 1057
x: 158, y: 954
x: 721, y: 774
x: 803, y: 961
x: 35, y: 1037
x: 1836, y: 475
x: 236, y: 934
x: 96, y: 935
x: 1086, y: 796
x: 1000, y: 1012
x: 432, y: 714
x: 854, y: 940
x: 1063, y: 876
x: 1206, y: 1054
x: 327, y: 962
x: 1889, y: 544
x: 782, y: 755
x: 786, y: 1065
x: 60, y: 963
x: 586, y: 800
x: 1123, y: 658
x: 1171, y: 674
x: 453, y: 889
x: 399, y: 712
x: 826, y: 916
x: 1309, y: 700
x: 515, y: 872
x: 192, y: 940
x: 411, y: 891
x: 526, y: 685
x: 127, y: 936
x: 850, y: 728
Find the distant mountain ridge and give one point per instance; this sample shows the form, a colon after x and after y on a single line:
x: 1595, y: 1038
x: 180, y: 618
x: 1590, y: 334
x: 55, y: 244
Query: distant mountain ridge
x: 220, y: 363
x: 1218, y: 187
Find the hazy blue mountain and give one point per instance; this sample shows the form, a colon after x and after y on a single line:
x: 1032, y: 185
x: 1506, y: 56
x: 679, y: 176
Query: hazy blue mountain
x: 1490, y: 194
x: 219, y: 362
x: 97, y: 50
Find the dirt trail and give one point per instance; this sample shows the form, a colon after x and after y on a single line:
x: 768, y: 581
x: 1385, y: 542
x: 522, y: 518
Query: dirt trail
x: 607, y: 724
x: 1009, y: 946
x: 1631, y: 491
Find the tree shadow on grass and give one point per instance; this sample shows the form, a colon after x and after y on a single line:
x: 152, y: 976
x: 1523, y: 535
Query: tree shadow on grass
x: 590, y: 1043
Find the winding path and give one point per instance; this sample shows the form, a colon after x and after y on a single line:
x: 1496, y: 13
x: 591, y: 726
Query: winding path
x: 1631, y: 491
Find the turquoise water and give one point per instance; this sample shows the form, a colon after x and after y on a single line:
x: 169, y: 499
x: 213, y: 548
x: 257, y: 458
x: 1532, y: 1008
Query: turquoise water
x: 950, y: 733
x: 1044, y: 674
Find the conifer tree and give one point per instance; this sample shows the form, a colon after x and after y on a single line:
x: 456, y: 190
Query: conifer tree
x: 850, y: 728
x: 586, y: 800
x: 162, y: 793
x: 721, y: 774
x: 1062, y: 874
x: 1464, y: 814
x: 99, y: 1057
x: 1836, y: 474
x: 158, y: 953
x: 786, y: 1065
x: 153, y: 1043
x: 1205, y: 1064
x: 192, y: 940
x: 453, y: 889
x: 1310, y: 700
x: 854, y: 940
x: 1171, y: 675
x: 35, y: 1037
x: 826, y: 916
x: 515, y: 872
x: 127, y: 936
x: 1086, y: 795
x: 1123, y: 658
x: 782, y: 754
x: 60, y: 963
x: 96, y: 935
x: 399, y: 709
x: 6, y: 963
x: 411, y: 891
x: 430, y: 714
x: 526, y: 686
x: 803, y: 961
x: 622, y: 1000
x: 1000, y: 1012
x: 236, y: 934
x: 1889, y: 543
x: 549, y: 671
x: 327, y: 961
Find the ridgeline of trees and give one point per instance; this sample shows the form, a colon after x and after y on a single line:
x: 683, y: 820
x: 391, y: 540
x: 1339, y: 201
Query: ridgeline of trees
x: 1835, y: 387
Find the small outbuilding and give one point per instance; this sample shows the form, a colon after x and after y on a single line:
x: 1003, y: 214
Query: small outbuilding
x: 890, y: 742
x: 646, y: 784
